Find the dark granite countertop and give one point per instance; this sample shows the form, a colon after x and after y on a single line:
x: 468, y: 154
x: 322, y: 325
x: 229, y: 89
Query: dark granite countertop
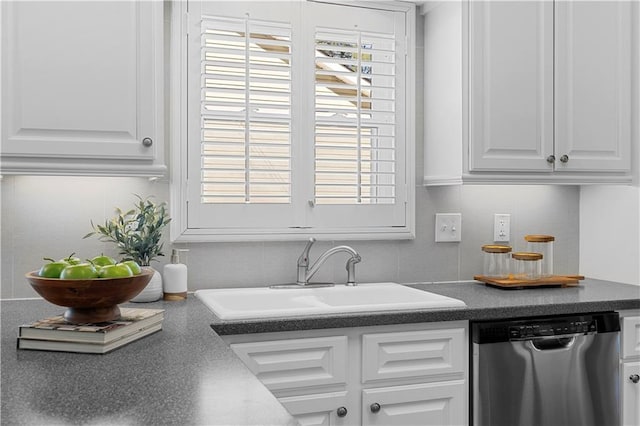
x: 186, y: 374
x: 483, y: 303
x: 182, y: 375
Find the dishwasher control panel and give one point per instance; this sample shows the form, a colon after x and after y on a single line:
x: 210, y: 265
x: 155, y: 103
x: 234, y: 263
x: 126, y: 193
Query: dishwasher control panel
x: 532, y: 328
x: 552, y: 329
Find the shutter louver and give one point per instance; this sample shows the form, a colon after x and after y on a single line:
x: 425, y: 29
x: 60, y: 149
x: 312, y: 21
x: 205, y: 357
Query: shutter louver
x: 354, y: 117
x: 245, y: 107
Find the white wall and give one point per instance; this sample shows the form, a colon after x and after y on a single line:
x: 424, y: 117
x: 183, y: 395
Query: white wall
x: 610, y: 233
x: 48, y: 216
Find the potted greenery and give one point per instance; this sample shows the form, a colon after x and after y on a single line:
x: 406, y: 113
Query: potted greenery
x: 137, y: 233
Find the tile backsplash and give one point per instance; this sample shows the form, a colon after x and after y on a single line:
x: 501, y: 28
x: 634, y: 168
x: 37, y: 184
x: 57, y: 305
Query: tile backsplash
x: 48, y: 216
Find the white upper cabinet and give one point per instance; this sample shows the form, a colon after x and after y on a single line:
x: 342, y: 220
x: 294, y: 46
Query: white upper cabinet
x: 530, y: 92
x: 593, y: 52
x: 510, y: 85
x: 82, y: 88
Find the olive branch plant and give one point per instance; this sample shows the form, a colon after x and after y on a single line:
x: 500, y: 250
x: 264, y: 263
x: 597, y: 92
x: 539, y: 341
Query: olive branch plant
x: 137, y: 232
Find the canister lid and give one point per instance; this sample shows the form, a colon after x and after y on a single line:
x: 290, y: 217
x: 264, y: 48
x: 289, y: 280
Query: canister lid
x: 539, y: 238
x: 524, y: 255
x: 496, y: 248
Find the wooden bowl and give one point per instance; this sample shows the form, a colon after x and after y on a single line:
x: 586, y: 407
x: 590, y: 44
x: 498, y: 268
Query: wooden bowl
x: 93, y: 300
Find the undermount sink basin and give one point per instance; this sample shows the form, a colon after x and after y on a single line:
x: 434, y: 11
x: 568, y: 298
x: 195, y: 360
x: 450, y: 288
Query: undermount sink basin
x: 265, y: 302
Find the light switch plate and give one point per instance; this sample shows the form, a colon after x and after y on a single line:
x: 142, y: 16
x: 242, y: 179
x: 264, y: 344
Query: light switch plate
x: 448, y: 227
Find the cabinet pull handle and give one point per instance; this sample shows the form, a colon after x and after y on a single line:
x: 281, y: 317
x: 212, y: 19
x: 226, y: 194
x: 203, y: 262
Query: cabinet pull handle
x: 564, y: 158
x: 375, y: 407
x: 147, y: 142
x: 342, y: 411
x: 551, y: 159
x: 634, y: 378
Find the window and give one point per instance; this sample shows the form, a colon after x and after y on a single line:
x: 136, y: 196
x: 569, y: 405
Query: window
x: 294, y: 121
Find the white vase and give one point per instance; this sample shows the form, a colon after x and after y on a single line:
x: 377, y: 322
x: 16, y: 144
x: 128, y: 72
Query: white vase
x: 153, y: 290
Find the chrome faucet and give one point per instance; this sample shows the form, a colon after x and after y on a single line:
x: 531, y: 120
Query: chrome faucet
x: 305, y: 273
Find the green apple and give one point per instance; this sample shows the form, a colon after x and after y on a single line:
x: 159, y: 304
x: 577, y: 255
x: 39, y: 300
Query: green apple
x: 52, y: 269
x: 72, y: 260
x: 103, y: 260
x: 81, y: 271
x: 99, y: 270
x: 119, y: 270
x: 133, y: 265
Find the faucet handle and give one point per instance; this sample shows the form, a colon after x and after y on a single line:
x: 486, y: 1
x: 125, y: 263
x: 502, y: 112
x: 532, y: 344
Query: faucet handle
x: 351, y: 269
x: 303, y: 260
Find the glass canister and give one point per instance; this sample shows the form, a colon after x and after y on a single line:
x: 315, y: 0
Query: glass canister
x: 527, y: 265
x: 542, y: 244
x: 496, y: 261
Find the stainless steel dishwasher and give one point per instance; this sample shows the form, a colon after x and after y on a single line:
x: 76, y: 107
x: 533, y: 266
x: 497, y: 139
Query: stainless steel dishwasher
x: 547, y: 371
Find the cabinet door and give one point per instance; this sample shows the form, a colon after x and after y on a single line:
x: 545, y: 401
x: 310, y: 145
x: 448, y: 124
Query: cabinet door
x: 593, y: 85
x: 325, y: 409
x: 296, y: 363
x: 412, y: 354
x: 440, y: 403
x: 630, y: 337
x: 81, y: 81
x: 630, y: 394
x: 510, y: 86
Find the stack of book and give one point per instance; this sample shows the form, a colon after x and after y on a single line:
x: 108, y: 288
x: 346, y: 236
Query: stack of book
x: 55, y: 334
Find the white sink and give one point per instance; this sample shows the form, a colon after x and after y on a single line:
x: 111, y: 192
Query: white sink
x: 264, y: 302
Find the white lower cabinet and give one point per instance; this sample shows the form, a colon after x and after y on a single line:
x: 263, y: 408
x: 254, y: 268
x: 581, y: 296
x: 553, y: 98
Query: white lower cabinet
x: 421, y: 404
x: 630, y: 368
x: 285, y: 364
x: 326, y: 409
x: 382, y: 375
x: 630, y: 393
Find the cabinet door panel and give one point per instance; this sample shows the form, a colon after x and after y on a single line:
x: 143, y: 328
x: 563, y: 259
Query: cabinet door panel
x: 423, y: 404
x: 78, y: 79
x: 511, y: 86
x: 630, y: 337
x: 593, y: 85
x: 412, y: 354
x: 283, y: 364
x: 318, y: 409
x: 630, y: 394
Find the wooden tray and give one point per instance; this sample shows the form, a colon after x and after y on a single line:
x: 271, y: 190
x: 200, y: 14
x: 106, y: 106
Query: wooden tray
x: 552, y: 281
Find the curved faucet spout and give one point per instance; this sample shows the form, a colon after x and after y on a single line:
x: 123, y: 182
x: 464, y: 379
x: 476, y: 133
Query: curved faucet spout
x: 351, y: 274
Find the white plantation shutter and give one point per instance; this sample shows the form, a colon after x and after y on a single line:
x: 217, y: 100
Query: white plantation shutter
x: 359, y: 116
x: 296, y: 120
x: 354, y: 117
x: 246, y: 111
x: 239, y: 151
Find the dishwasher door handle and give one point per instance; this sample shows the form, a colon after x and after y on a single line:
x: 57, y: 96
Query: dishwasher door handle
x: 548, y: 343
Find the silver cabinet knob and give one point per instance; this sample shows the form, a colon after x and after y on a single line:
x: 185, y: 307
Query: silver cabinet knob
x: 551, y: 159
x: 634, y: 378
x: 342, y: 412
x: 564, y: 158
x: 375, y: 407
x: 147, y: 142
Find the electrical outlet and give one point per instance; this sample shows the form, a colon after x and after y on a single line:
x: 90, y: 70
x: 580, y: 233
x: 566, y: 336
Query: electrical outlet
x: 448, y: 227
x: 501, y: 227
